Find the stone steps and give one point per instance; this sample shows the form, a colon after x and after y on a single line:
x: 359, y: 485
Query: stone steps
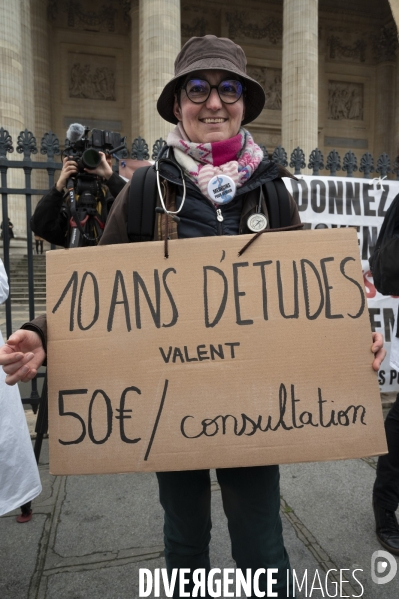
x: 19, y: 290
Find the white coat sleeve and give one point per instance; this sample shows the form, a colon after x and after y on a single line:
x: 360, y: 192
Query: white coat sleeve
x: 19, y: 475
x: 4, y: 289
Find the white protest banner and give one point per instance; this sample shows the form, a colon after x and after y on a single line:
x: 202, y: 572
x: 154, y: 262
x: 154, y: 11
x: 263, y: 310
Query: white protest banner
x: 336, y: 202
x: 208, y: 359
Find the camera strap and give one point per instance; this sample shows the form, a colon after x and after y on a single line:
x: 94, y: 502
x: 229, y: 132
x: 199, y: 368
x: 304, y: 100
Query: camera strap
x: 74, y: 220
x: 72, y: 203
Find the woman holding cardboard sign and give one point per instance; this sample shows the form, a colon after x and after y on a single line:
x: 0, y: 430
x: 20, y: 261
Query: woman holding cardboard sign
x: 214, y: 180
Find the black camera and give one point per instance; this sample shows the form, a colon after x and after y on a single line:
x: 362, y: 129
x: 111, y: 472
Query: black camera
x: 85, y: 149
x: 87, y: 200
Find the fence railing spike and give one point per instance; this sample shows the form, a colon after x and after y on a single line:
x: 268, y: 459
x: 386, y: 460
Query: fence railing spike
x: 50, y: 145
x: 139, y: 149
x: 157, y: 147
x: 26, y: 144
x: 280, y: 156
x: 333, y: 163
x: 264, y: 150
x: 316, y: 161
x: 366, y: 164
x: 383, y: 165
x: 297, y: 160
x: 5, y: 143
x: 350, y: 163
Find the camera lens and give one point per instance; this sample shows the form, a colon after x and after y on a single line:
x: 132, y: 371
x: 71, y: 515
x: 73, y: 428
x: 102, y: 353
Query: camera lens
x: 91, y: 158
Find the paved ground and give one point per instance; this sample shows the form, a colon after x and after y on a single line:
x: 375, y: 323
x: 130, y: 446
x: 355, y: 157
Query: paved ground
x: 90, y: 535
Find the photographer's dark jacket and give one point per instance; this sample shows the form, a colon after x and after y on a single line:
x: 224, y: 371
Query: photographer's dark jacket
x: 198, y: 217
x: 51, y: 217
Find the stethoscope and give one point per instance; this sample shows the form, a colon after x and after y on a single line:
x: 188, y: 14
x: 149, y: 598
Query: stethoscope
x: 172, y: 214
x: 221, y: 189
x: 257, y: 221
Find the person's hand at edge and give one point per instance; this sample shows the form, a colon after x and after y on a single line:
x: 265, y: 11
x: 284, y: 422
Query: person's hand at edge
x: 104, y: 169
x: 21, y: 356
x: 378, y: 350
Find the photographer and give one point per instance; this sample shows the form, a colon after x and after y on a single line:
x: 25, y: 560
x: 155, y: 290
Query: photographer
x: 51, y: 219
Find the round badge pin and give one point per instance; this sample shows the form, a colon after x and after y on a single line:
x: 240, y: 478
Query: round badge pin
x: 221, y: 189
x: 257, y: 222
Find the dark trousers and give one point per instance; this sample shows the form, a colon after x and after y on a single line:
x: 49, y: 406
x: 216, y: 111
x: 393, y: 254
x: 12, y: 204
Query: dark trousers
x: 251, y: 501
x: 386, y: 487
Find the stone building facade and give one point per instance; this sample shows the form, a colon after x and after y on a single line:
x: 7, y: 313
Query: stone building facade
x: 330, y: 70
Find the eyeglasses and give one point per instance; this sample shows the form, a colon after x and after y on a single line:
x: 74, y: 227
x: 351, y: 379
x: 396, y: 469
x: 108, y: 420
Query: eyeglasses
x: 199, y: 90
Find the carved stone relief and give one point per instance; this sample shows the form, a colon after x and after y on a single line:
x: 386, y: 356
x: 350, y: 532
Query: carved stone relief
x: 92, y: 77
x: 198, y: 27
x: 199, y: 19
x: 386, y: 43
x: 257, y: 73
x: 345, y: 101
x: 112, y: 16
x: 272, y: 140
x: 341, y: 50
x: 267, y: 28
x: 269, y: 139
x: 270, y: 80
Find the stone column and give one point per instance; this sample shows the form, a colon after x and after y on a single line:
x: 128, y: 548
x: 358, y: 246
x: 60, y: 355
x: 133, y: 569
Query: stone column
x: 135, y: 70
x: 160, y: 42
x: 41, y: 68
x: 11, y: 72
x: 300, y: 76
x: 384, y: 109
x: 12, y: 103
x: 27, y: 65
x: 385, y: 48
x: 40, y: 86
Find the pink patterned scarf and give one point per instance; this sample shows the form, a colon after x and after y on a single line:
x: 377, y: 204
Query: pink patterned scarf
x: 237, y: 157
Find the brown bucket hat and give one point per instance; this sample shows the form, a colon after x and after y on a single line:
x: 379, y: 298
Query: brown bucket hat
x: 211, y: 52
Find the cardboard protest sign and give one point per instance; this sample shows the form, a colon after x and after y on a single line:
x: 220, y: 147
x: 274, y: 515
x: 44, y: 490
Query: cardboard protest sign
x: 208, y: 359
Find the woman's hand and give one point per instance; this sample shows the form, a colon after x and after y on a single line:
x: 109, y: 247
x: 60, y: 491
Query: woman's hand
x: 69, y: 168
x: 378, y: 350
x: 21, y: 356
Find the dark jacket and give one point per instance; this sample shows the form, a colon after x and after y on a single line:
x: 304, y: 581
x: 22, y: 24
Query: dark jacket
x: 198, y: 217
x: 51, y: 217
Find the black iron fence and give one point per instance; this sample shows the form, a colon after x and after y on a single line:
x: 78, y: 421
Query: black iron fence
x: 50, y: 148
